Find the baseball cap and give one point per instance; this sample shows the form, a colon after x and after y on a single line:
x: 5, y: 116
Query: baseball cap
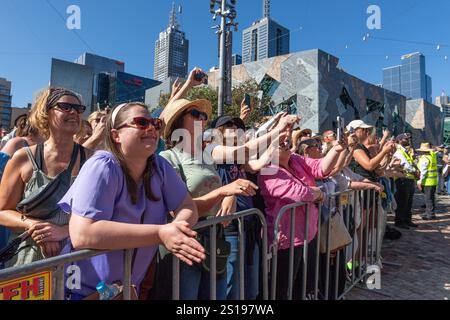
x: 222, y: 120
x: 403, y: 136
x: 356, y: 124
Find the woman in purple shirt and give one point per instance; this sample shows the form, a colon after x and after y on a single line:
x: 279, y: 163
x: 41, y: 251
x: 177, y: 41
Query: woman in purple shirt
x: 121, y: 199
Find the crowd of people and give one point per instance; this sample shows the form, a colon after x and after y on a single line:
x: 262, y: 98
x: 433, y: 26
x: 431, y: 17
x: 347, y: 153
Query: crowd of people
x: 123, y: 179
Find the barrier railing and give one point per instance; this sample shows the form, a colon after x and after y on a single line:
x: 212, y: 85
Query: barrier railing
x: 366, y: 235
x: 212, y: 224
x: 361, y: 215
x: 57, y: 264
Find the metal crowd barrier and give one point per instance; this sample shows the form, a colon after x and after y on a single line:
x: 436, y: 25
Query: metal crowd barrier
x: 57, y: 264
x: 368, y: 234
x: 212, y: 224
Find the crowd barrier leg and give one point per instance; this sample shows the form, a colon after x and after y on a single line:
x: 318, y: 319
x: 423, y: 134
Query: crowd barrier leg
x: 213, y: 266
x: 355, y: 233
x: 175, y: 278
x: 128, y: 256
x: 60, y: 285
x: 241, y: 260
x: 291, y: 257
x: 305, y: 253
x: 316, y: 275
x: 328, y: 258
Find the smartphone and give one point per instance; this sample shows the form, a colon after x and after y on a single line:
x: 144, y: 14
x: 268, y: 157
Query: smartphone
x: 201, y: 77
x: 340, y: 128
x: 247, y: 101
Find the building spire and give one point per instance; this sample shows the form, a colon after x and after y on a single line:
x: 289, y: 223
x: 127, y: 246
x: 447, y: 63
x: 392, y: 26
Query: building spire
x: 173, y: 23
x: 266, y: 8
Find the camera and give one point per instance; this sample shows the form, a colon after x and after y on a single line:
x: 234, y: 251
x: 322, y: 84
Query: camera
x: 201, y: 77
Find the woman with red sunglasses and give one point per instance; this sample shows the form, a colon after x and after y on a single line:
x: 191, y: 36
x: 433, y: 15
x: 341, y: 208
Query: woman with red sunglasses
x: 56, y: 114
x: 121, y: 200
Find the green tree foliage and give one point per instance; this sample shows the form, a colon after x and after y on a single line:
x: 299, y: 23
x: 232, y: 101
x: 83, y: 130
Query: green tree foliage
x: 260, y: 107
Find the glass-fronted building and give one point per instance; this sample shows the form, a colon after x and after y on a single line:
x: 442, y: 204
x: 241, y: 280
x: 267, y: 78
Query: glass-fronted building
x: 409, y: 78
x: 126, y: 87
x: 266, y: 38
x: 5, y: 103
x: 100, y: 65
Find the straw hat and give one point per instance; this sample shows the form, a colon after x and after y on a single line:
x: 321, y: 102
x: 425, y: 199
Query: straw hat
x: 176, y: 108
x: 425, y: 147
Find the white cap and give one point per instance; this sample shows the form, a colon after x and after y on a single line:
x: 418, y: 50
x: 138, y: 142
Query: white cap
x: 355, y: 124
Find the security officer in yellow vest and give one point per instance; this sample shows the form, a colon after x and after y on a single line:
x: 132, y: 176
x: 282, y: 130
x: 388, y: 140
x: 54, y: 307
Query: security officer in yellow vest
x: 428, y: 178
x: 405, y: 186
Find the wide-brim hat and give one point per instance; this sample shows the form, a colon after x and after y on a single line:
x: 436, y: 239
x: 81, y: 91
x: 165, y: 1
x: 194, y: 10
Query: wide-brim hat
x: 425, y: 147
x: 176, y: 108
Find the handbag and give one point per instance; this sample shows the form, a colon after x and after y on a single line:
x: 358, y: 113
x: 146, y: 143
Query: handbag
x: 339, y: 235
x: 223, y: 250
x: 43, y: 202
x: 8, y: 252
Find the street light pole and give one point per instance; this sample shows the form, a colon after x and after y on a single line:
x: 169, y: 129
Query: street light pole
x: 222, y: 58
x: 227, y: 15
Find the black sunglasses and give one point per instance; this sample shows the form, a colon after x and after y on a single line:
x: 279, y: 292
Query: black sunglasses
x: 67, y: 107
x: 198, y: 114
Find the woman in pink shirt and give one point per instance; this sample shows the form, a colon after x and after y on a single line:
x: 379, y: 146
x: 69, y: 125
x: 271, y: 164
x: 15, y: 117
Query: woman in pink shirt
x: 294, y: 181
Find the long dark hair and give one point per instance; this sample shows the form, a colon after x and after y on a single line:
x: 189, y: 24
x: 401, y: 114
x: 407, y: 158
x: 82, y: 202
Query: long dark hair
x: 112, y: 147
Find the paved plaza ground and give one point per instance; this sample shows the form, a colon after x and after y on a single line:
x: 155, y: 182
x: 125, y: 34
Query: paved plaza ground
x: 416, y: 266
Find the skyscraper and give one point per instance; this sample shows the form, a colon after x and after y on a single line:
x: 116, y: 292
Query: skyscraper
x: 171, y: 51
x: 100, y: 65
x: 76, y: 77
x: 5, y: 103
x: 265, y: 38
x: 409, y: 78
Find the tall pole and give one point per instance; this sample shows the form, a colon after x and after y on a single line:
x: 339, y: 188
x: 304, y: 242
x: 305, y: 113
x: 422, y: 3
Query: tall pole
x: 222, y: 57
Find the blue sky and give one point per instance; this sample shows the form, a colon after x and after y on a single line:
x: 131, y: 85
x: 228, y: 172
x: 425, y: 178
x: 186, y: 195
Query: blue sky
x: 32, y: 33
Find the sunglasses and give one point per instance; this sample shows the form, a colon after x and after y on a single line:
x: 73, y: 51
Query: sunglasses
x: 198, y: 114
x: 68, y: 107
x: 143, y: 123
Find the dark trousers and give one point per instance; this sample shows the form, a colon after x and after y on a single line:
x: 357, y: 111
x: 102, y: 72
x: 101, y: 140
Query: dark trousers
x: 283, y: 271
x: 404, y: 196
x: 430, y: 200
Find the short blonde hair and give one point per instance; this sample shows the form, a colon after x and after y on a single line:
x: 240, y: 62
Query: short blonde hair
x: 94, y: 115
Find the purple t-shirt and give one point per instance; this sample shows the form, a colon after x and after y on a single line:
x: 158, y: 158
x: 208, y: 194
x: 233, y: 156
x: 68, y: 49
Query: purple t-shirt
x: 100, y: 193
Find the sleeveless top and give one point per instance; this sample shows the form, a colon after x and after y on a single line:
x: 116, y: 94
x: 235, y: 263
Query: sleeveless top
x: 357, y: 168
x: 29, y: 251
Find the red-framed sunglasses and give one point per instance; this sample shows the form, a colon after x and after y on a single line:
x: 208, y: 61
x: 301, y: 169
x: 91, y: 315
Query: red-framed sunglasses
x: 67, y: 107
x: 143, y: 123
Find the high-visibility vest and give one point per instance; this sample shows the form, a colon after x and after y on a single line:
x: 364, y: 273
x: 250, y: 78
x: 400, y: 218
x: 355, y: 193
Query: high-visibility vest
x: 431, y: 177
x: 410, y: 161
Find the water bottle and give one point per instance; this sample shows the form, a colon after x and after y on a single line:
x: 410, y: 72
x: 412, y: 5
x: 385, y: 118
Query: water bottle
x: 107, y: 292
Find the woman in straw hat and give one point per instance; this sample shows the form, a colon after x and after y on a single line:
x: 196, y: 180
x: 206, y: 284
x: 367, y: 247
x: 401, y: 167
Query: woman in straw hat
x: 184, y: 124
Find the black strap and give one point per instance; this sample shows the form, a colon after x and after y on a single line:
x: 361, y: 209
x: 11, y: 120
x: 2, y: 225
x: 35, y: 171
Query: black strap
x: 39, y: 155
